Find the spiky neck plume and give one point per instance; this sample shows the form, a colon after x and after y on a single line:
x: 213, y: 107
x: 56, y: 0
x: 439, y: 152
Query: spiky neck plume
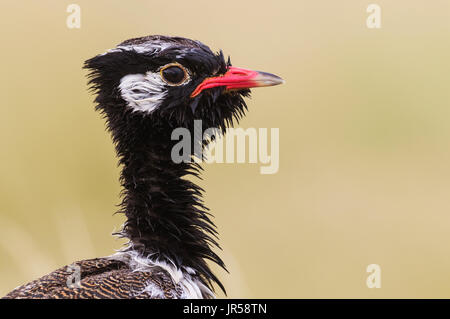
x: 165, y: 216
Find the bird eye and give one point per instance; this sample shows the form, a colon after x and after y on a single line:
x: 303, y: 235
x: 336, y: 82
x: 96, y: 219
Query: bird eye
x: 174, y: 74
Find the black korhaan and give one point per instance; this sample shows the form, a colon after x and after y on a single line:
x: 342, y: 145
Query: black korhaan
x: 147, y: 87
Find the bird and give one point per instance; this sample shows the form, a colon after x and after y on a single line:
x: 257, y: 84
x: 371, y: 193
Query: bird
x: 145, y: 88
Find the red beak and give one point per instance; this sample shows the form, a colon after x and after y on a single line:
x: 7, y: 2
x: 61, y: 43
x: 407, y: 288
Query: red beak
x: 238, y: 78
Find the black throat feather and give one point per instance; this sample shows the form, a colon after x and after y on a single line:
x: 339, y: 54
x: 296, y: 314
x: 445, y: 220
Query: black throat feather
x: 165, y: 214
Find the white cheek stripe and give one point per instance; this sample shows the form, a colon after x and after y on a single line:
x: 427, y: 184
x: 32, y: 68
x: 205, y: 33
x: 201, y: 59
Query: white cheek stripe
x: 143, y: 92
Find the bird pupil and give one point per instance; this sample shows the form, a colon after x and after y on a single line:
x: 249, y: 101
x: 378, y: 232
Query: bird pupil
x: 173, y: 74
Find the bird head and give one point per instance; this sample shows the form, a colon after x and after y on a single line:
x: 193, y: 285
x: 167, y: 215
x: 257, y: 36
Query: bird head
x: 171, y: 80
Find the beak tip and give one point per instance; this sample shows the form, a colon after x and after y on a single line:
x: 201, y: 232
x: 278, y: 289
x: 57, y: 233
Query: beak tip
x: 280, y: 81
x: 277, y: 82
x: 268, y: 79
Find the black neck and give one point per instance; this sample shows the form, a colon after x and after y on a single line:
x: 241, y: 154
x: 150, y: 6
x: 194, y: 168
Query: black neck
x: 165, y: 215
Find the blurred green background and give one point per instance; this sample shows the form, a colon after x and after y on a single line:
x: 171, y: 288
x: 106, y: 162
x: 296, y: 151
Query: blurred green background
x: 364, y: 143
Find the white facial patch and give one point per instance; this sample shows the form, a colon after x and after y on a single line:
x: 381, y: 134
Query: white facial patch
x: 143, y: 92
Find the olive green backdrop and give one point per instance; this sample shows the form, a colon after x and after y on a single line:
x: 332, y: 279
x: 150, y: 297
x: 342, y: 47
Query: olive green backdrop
x: 364, y: 143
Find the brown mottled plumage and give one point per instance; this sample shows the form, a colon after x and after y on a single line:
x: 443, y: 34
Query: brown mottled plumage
x: 101, y: 278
